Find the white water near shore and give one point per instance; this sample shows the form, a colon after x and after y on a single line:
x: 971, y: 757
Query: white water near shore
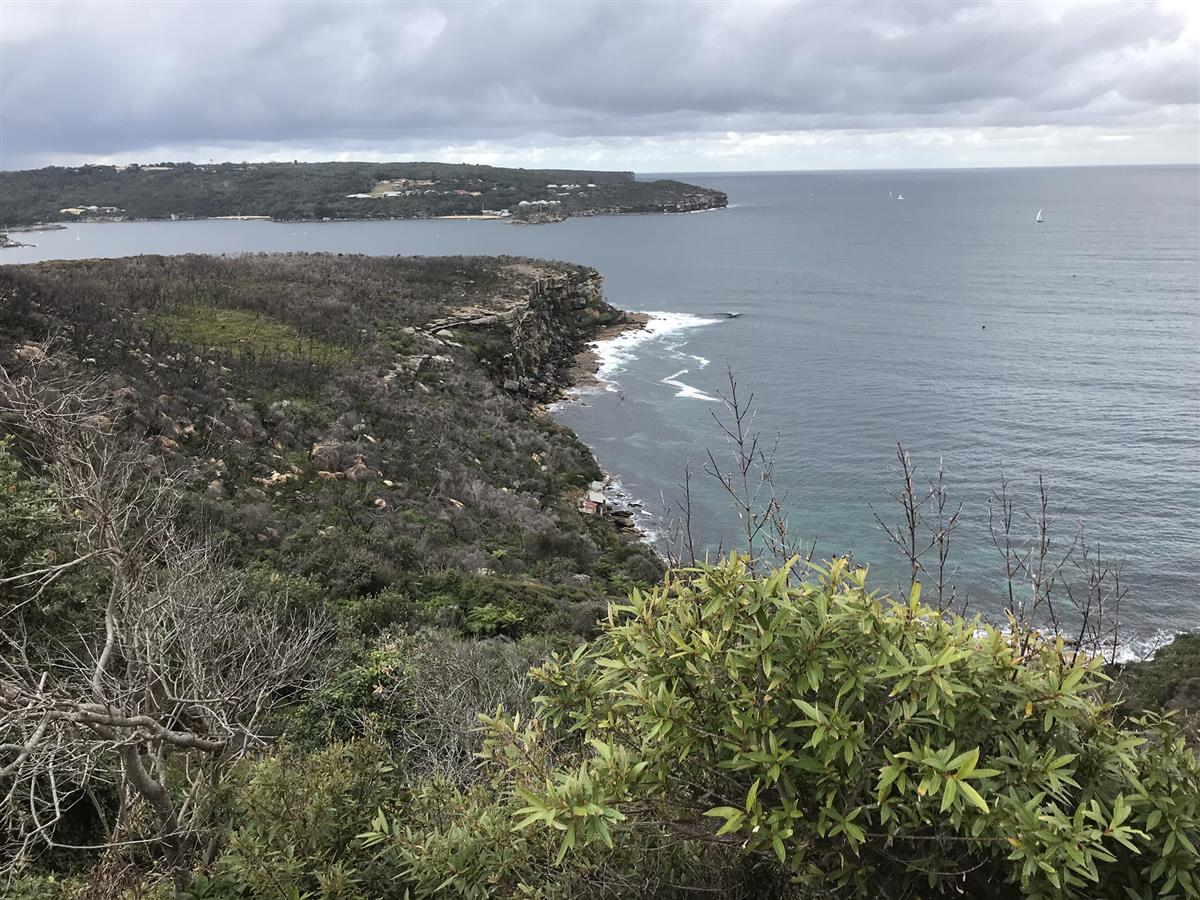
x: 664, y: 334
x: 686, y: 390
x: 616, y: 353
x: 1140, y: 649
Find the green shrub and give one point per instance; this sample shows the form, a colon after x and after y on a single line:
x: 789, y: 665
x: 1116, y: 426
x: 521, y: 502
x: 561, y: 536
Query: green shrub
x: 242, y: 332
x: 865, y: 745
x: 451, y: 840
x: 297, y: 819
x: 422, y: 693
x: 1169, y: 680
x: 34, y: 533
x: 494, y: 618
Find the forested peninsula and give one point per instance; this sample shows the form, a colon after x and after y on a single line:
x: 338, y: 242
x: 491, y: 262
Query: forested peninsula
x: 303, y: 595
x: 333, y: 191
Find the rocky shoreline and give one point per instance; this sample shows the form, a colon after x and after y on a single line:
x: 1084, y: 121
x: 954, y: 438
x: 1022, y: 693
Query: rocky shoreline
x: 7, y: 242
x: 582, y: 373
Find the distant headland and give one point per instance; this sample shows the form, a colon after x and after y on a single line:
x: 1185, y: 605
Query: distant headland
x: 333, y: 191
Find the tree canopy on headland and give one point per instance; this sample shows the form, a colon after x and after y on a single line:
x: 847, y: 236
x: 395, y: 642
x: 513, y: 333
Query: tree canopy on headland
x: 331, y: 190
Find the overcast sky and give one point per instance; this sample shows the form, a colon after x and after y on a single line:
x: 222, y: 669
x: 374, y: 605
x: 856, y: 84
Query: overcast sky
x: 654, y: 87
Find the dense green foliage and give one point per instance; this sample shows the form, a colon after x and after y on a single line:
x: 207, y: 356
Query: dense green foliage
x: 873, y: 747
x: 320, y: 190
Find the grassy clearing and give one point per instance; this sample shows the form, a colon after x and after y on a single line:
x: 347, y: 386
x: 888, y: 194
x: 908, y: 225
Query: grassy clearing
x: 242, y: 332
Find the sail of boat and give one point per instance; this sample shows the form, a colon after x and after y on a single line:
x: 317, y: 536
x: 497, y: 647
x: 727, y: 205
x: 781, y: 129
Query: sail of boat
x: 1039, y: 216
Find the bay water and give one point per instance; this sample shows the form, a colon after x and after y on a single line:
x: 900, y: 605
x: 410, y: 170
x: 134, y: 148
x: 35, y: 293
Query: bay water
x: 950, y: 319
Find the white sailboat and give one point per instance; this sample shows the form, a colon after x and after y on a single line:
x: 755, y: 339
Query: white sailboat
x: 1039, y: 216
x: 899, y: 196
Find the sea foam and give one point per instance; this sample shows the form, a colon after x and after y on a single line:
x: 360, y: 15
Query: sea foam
x: 1139, y: 649
x: 686, y: 390
x: 616, y: 353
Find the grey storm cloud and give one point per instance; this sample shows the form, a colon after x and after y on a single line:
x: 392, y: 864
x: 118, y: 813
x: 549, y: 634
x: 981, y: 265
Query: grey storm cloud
x: 107, y: 77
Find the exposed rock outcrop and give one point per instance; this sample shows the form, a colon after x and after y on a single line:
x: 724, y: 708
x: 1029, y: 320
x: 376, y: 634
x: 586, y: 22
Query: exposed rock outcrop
x: 532, y: 335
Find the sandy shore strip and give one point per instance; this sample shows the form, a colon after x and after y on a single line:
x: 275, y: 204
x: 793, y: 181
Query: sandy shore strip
x: 585, y: 365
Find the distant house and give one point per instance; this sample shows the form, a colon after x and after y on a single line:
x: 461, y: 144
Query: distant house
x: 593, y: 502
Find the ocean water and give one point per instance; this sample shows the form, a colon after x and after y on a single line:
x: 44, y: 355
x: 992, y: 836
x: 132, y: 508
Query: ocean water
x: 949, y: 320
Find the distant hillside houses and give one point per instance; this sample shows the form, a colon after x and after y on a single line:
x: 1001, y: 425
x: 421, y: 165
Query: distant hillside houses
x: 84, y: 210
x: 414, y: 192
x: 539, y: 203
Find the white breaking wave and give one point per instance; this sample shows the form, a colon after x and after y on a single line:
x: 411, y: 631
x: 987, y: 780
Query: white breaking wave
x: 616, y: 353
x: 686, y: 390
x: 1135, y: 649
x: 1142, y: 648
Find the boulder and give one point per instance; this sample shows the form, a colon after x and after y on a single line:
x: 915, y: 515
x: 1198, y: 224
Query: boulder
x: 329, y: 454
x: 30, y: 353
x: 168, y: 427
x: 360, y: 471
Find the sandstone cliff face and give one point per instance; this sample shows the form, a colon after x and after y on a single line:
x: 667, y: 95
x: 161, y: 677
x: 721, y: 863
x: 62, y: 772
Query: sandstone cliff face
x: 527, y: 339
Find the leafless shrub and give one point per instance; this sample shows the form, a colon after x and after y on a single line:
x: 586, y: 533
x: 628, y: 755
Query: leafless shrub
x: 169, y: 677
x: 929, y: 519
x: 433, y: 694
x: 1044, y: 575
x: 1054, y: 586
x: 746, y: 474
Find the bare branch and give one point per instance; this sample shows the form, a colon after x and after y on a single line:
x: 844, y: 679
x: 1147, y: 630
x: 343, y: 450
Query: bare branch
x: 173, y: 658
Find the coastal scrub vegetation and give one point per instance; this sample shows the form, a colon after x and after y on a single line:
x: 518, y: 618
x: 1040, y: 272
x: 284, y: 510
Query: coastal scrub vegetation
x: 336, y: 420
x: 295, y: 602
